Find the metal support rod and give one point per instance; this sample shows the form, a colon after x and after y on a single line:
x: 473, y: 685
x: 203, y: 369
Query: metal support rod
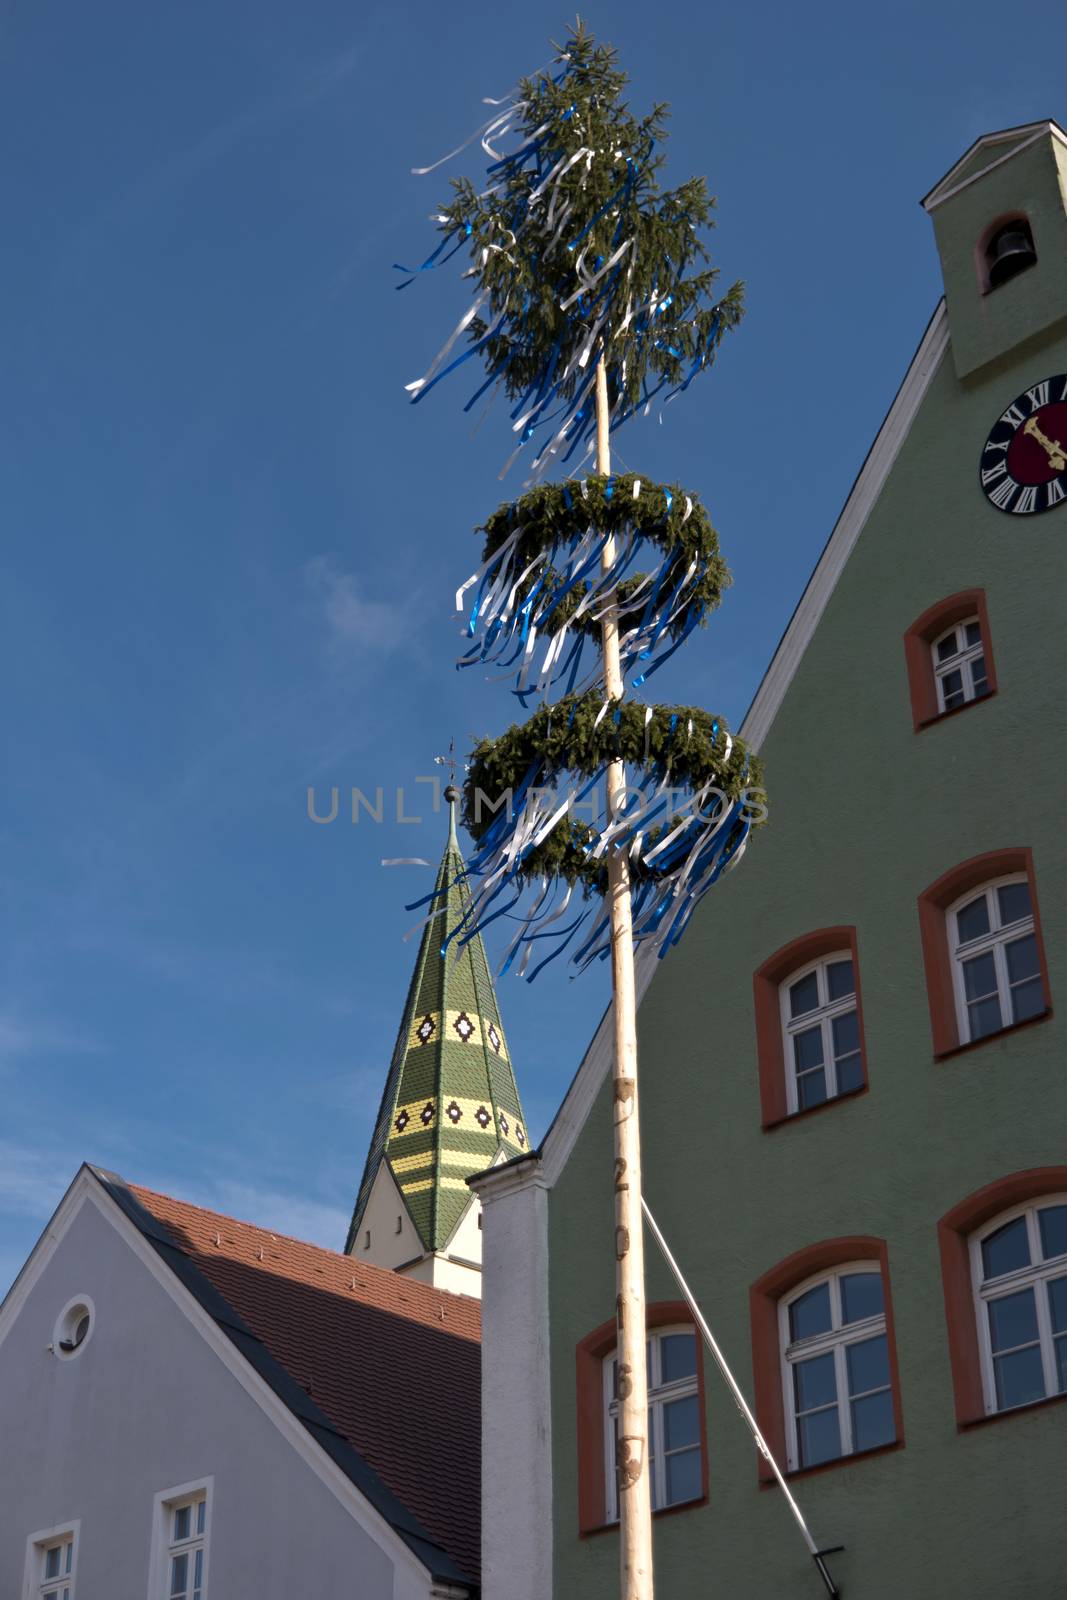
x: 760, y: 1442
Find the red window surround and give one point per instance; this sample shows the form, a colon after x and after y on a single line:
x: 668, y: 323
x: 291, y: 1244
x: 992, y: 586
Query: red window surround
x: 770, y: 1050
x: 954, y: 1231
x: 919, y: 660
x: 937, y: 957
x: 764, y: 1296
x: 592, y: 1468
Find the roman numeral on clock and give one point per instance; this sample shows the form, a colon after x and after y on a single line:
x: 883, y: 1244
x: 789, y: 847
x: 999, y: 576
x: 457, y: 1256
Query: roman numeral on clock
x: 1056, y: 493
x: 1026, y: 502
x: 991, y: 474
x: 1038, y: 395
x: 1013, y: 416
x: 1004, y: 494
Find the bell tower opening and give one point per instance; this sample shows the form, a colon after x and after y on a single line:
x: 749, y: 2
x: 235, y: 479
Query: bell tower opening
x: 1005, y: 249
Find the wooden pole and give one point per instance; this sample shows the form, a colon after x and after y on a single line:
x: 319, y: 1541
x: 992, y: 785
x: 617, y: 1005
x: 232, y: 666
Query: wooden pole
x: 635, y: 1499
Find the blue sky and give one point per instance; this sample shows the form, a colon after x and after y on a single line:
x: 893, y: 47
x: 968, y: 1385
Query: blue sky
x: 230, y: 546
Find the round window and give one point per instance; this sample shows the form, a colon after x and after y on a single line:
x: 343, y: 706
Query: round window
x: 74, y: 1326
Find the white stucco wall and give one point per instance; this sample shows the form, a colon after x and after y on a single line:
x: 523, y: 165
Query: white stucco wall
x: 148, y: 1405
x: 516, y: 1458
x: 389, y: 1245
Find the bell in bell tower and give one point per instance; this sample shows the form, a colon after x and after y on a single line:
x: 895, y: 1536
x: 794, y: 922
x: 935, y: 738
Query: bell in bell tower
x: 1000, y: 220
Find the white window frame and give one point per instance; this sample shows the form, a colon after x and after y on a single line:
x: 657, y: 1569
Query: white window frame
x: 165, y: 1504
x: 659, y: 1395
x: 985, y: 1290
x: 837, y: 1340
x: 994, y: 940
x: 823, y: 1016
x: 34, y: 1583
x: 960, y: 662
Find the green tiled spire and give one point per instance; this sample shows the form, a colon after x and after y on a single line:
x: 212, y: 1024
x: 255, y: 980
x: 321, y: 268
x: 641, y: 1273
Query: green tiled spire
x: 450, y: 1101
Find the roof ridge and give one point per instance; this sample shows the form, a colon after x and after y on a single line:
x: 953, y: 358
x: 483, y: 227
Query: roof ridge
x: 346, y: 1262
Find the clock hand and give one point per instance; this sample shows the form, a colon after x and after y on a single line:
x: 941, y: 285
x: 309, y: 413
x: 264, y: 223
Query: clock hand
x: 1057, y: 455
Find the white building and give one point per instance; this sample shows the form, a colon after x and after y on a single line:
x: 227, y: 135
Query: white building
x: 193, y: 1405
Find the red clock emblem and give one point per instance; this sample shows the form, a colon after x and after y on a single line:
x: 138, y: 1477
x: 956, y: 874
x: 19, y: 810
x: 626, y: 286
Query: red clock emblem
x: 1024, y: 461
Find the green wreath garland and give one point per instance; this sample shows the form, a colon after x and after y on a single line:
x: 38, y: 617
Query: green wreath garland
x: 566, y: 740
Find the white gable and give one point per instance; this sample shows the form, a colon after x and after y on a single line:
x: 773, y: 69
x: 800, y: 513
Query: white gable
x: 158, y: 1397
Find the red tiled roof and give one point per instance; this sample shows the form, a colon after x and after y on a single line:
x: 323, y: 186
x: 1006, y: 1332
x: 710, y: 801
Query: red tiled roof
x: 394, y: 1364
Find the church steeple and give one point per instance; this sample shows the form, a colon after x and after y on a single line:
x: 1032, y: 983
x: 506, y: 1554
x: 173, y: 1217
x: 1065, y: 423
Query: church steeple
x: 450, y: 1107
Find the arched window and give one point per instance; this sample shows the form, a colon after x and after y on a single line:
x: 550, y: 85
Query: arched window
x: 678, y: 1452
x: 982, y: 949
x: 948, y: 653
x: 835, y: 1366
x: 823, y: 1355
x: 822, y: 1032
x: 1019, y: 1271
x: 996, y: 970
x: 675, y: 1457
x: 1004, y: 1269
x: 809, y: 1024
x: 959, y: 665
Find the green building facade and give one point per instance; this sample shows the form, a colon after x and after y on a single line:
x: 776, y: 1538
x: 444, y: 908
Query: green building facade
x: 885, y: 1266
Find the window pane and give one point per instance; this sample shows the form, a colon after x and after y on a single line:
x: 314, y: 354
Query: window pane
x: 973, y: 633
x: 807, y: 1049
x: 181, y: 1523
x: 979, y: 677
x: 839, y: 979
x: 811, y: 1089
x: 980, y: 976
x: 678, y: 1356
x: 952, y: 689
x: 947, y: 647
x: 861, y: 1296
x: 201, y: 1513
x: 198, y: 1568
x: 1060, y: 1347
x: 1014, y: 901
x: 1012, y: 1320
x: 810, y: 1313
x: 804, y: 995
x: 179, y: 1573
x: 814, y: 1382
x: 683, y: 1477
x: 1027, y: 1000
x: 819, y: 1437
x: 972, y: 920
x: 51, y: 1562
x: 681, y: 1423
x: 1019, y: 1378
x: 1057, y: 1302
x: 1053, y: 1225
x: 1006, y: 1250
x: 873, y: 1422
x: 868, y: 1364
x: 983, y: 1017
x: 70, y: 1555
x: 849, y: 1073
x: 1022, y: 958
x: 846, y: 1030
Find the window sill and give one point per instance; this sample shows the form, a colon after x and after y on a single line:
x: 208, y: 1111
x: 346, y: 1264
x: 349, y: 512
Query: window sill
x: 811, y: 1111
x: 770, y: 1482
x: 664, y: 1511
x: 988, y: 1038
x: 954, y: 711
x: 1012, y: 1411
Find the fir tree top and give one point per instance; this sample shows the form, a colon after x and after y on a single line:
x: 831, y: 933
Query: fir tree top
x: 577, y: 253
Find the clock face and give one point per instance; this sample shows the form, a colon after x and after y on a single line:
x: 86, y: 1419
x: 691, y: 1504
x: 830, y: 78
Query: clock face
x: 1024, y: 461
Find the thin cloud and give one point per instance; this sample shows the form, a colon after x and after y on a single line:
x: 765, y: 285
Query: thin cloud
x: 20, y: 1038
x: 354, y: 624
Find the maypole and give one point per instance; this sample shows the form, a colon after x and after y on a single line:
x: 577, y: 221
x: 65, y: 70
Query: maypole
x: 634, y: 1487
x: 586, y: 313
